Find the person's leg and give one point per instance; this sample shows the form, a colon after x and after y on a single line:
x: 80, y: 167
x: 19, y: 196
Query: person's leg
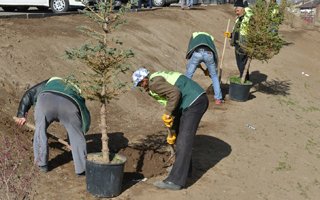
x: 139, y: 3
x: 40, y: 140
x: 189, y: 123
x: 244, y: 62
x: 182, y: 3
x: 45, y: 114
x: 193, y: 63
x: 150, y: 3
x: 70, y: 117
x: 241, y: 59
x: 209, y: 61
x: 176, y: 123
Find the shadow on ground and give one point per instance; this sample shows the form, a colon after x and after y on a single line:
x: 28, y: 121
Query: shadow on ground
x: 273, y: 87
x: 149, y: 157
x: 145, y: 158
x: 260, y: 84
x: 116, y: 142
x: 207, y: 152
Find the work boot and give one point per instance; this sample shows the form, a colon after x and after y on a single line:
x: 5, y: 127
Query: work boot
x: 43, y: 169
x: 81, y: 174
x: 167, y: 185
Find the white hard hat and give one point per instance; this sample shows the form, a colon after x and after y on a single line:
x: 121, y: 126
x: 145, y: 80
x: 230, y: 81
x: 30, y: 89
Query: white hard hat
x: 139, y: 75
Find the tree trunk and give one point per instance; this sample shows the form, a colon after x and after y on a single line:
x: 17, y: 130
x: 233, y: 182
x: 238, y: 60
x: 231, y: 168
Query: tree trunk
x: 246, y: 69
x: 103, y: 127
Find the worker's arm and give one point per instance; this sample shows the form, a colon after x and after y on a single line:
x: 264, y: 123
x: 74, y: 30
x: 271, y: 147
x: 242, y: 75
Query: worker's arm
x: 160, y: 86
x: 28, y: 99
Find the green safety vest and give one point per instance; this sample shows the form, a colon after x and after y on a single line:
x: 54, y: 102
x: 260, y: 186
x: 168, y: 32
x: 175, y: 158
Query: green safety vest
x: 171, y: 77
x: 190, y: 90
x: 195, y: 34
x: 199, y: 39
x: 59, y: 86
x: 244, y: 23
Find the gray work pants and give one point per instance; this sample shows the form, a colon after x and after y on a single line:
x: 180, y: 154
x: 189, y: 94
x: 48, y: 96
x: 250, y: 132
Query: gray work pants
x: 51, y: 107
x: 189, y: 122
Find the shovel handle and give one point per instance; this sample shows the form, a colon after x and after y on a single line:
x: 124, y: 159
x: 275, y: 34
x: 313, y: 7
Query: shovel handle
x: 169, y: 132
x: 170, y: 145
x: 32, y: 127
x: 222, y: 56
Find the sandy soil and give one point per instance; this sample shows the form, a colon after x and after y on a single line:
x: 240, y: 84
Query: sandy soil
x: 278, y: 159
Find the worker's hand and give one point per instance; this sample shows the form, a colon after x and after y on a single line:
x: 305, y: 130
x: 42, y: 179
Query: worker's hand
x: 172, y: 139
x: 168, y: 120
x: 206, y: 72
x: 227, y: 34
x: 21, y: 121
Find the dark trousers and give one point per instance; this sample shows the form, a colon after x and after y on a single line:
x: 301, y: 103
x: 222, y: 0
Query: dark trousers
x: 140, y: 3
x: 242, y: 60
x: 189, y: 122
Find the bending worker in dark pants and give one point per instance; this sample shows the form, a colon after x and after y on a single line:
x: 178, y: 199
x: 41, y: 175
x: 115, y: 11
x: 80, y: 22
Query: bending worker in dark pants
x: 56, y: 100
x: 185, y: 103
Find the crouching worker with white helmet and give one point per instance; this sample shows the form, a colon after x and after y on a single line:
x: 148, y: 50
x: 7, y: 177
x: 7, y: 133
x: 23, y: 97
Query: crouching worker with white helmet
x: 56, y: 100
x: 185, y: 103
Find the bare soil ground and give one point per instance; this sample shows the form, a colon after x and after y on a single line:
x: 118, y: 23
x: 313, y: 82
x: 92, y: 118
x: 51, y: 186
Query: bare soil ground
x: 278, y: 159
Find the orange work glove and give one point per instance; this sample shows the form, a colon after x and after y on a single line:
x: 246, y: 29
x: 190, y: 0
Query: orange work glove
x: 168, y: 120
x: 227, y: 34
x: 171, y: 140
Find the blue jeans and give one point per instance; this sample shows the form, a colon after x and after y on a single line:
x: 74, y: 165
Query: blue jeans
x: 149, y: 3
x: 188, y: 3
x: 206, y: 57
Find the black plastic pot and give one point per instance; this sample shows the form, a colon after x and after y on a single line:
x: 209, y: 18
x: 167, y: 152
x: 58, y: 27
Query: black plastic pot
x: 239, y: 92
x: 105, y: 180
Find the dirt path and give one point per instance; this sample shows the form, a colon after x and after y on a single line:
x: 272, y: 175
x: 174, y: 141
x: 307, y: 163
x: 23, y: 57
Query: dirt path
x: 278, y: 159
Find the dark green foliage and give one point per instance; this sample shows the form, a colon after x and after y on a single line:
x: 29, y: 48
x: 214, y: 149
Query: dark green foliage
x: 105, y: 57
x: 237, y: 79
x: 106, y: 63
x: 263, y: 40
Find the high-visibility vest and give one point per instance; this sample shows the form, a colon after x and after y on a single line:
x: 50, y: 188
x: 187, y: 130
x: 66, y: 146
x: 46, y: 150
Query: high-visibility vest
x: 189, y: 89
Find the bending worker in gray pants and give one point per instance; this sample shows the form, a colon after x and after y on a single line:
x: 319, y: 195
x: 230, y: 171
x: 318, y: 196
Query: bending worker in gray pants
x: 56, y: 100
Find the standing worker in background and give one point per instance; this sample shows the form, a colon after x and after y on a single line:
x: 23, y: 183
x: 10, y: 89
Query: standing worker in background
x: 186, y: 4
x: 201, y: 48
x: 185, y: 103
x: 56, y: 100
x: 276, y: 18
x: 239, y: 32
x: 145, y: 5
